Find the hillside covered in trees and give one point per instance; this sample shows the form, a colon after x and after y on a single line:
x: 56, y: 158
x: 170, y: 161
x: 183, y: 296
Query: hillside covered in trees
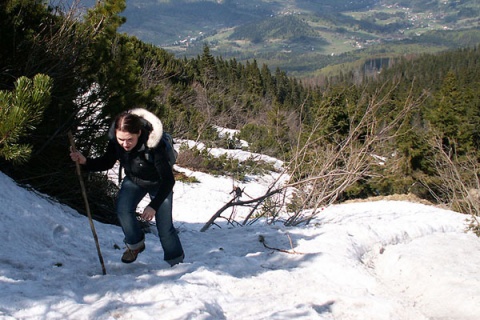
x: 411, y: 128
x: 303, y: 38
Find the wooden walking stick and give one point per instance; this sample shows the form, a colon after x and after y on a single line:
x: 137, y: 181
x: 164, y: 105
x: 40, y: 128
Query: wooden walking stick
x: 87, y: 206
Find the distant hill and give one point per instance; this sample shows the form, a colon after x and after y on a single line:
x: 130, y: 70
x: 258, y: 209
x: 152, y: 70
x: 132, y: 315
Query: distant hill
x: 281, y: 27
x: 305, y: 36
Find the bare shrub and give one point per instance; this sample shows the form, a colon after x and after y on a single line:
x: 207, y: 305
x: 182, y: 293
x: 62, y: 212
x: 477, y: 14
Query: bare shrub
x: 458, y: 184
x: 190, y: 158
x: 328, y: 169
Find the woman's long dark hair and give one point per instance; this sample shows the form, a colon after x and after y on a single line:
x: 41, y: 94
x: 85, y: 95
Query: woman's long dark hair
x: 128, y: 122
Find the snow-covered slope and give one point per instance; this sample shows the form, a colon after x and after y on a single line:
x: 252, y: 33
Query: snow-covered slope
x: 369, y: 260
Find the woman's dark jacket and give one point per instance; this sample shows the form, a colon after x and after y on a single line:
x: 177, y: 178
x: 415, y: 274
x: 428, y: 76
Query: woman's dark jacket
x: 146, y: 164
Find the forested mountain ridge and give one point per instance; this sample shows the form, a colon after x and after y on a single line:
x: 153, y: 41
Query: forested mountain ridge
x: 303, y: 37
x: 352, y: 136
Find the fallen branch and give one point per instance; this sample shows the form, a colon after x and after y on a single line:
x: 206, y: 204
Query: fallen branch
x: 232, y: 203
x: 262, y: 240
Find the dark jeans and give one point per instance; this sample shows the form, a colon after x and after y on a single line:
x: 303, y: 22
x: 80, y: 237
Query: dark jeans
x: 128, y: 199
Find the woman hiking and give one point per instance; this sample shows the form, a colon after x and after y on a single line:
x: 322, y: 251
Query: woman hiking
x: 135, y: 141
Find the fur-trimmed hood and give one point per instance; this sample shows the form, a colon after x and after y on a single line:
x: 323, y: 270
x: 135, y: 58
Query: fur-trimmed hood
x: 157, y: 126
x: 152, y: 124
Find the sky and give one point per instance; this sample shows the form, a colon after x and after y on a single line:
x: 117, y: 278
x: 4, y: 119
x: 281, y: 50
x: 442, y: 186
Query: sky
x: 363, y: 260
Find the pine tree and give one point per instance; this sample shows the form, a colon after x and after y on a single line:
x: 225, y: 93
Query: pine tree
x: 449, y: 118
x: 208, y: 68
x: 20, y: 110
x: 111, y: 61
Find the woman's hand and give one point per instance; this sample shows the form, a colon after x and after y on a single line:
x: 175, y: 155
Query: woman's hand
x: 148, y: 214
x: 77, y: 156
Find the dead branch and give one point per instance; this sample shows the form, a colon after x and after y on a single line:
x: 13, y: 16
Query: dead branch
x: 235, y: 202
x: 262, y: 240
x: 459, y: 185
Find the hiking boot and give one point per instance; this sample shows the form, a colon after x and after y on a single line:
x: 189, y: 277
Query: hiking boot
x: 131, y: 255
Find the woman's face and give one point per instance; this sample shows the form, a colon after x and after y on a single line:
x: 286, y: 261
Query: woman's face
x: 127, y: 140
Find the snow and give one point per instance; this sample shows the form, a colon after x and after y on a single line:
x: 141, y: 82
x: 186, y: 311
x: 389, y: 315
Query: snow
x: 365, y: 260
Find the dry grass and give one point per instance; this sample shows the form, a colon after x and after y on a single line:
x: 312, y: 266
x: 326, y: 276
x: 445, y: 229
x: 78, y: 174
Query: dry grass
x: 395, y: 197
